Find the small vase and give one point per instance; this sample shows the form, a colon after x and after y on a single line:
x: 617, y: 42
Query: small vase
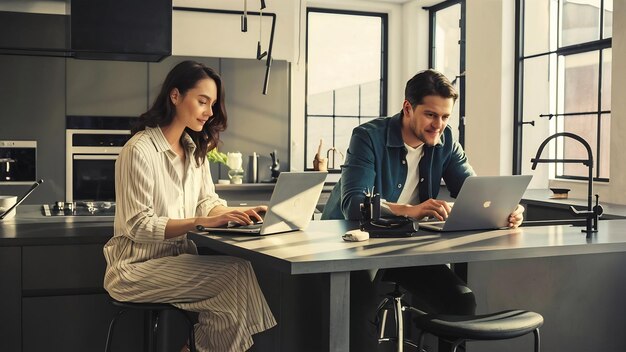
x: 236, y: 176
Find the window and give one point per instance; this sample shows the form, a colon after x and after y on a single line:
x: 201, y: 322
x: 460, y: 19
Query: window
x: 564, y: 83
x: 447, y: 53
x: 346, y: 79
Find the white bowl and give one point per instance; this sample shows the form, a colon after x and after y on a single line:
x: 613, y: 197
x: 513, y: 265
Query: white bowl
x: 5, y: 203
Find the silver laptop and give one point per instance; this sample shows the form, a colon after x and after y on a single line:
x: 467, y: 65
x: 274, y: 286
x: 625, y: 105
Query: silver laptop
x: 291, y: 206
x: 484, y: 203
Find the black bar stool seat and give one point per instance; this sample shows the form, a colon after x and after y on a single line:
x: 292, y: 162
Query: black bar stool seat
x: 151, y: 325
x: 495, y: 326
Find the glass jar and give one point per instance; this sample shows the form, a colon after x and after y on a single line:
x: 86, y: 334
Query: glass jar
x: 236, y: 176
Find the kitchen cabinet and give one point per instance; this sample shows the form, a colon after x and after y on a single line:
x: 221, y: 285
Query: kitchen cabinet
x: 32, y: 95
x: 106, y: 88
x: 51, y: 289
x: 76, y: 323
x: 10, y: 298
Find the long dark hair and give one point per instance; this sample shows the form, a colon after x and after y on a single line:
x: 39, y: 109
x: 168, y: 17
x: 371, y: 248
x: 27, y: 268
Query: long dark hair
x: 428, y: 82
x: 184, y: 77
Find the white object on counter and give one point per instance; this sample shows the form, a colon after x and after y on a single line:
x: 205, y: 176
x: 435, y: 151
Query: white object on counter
x: 5, y: 203
x: 223, y: 182
x: 234, y: 161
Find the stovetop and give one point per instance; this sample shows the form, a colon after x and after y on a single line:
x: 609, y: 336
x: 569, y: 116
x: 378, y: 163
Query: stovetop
x: 83, y: 208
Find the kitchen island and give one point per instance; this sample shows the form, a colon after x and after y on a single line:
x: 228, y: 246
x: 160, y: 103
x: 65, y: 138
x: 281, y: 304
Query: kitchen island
x: 51, y: 296
x: 51, y: 272
x: 578, y: 284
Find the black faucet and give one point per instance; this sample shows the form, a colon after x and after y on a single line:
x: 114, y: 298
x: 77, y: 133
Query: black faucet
x: 593, y: 212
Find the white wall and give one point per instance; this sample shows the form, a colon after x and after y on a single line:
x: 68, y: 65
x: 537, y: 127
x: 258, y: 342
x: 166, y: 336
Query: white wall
x: 489, y: 86
x: 219, y: 35
x: 616, y: 191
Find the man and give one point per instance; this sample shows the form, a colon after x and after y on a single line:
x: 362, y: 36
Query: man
x: 404, y: 158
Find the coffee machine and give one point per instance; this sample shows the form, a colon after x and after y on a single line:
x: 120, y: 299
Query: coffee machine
x: 18, y: 162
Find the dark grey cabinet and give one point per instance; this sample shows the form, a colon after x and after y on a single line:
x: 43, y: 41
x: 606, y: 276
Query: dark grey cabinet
x: 75, y: 323
x: 10, y: 298
x: 106, y: 88
x: 52, y: 299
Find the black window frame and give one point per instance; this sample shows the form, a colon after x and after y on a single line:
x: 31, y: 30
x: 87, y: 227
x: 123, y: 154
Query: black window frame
x: 432, y: 23
x: 383, y: 73
x: 587, y: 47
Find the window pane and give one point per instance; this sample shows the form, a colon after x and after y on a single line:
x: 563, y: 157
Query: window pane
x: 344, y: 77
x: 347, y: 101
x: 537, y: 26
x: 447, y: 36
x: 580, y: 21
x: 608, y: 19
x: 343, y: 51
x: 320, y: 103
x: 585, y: 126
x: 318, y: 128
x: 447, y: 53
x: 606, y: 78
x: 580, y: 82
x: 605, y: 146
x: 370, y: 99
x: 343, y: 132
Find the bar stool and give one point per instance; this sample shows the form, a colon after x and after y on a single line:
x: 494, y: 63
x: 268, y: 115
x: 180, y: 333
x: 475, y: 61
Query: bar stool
x: 457, y: 329
x: 151, y: 322
x: 393, y: 302
x: 502, y: 325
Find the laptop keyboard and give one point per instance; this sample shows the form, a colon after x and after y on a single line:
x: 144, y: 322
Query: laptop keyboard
x: 234, y: 225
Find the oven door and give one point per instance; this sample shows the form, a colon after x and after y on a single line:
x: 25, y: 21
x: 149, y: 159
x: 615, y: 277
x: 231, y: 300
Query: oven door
x: 93, y: 178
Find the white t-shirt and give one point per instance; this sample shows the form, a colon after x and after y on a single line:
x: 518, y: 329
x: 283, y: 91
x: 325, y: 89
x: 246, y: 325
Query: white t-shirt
x: 410, y: 193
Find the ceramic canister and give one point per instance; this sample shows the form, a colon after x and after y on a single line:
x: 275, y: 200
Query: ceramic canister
x: 5, y: 203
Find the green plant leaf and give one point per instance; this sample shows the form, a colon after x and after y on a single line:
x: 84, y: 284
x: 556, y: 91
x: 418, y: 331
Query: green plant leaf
x: 216, y: 156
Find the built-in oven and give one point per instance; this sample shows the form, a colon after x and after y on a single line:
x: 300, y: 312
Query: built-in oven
x: 93, y: 144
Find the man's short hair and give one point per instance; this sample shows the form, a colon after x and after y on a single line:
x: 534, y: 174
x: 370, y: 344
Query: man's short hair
x: 428, y: 82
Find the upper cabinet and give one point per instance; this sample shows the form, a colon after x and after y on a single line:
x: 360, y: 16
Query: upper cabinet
x: 130, y: 30
x: 213, y: 28
x: 106, y: 88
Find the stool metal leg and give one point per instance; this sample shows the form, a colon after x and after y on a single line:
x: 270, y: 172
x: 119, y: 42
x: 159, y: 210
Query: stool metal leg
x: 456, y: 344
x: 154, y: 332
x: 383, y: 324
x: 151, y: 322
x: 399, y: 323
x: 192, y: 333
x: 420, y: 341
x: 107, y: 347
x: 537, y: 339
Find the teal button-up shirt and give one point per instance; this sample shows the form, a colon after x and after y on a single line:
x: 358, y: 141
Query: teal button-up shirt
x: 376, y: 158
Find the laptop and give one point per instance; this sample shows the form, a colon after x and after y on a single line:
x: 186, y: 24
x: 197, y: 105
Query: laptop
x: 290, y: 209
x: 484, y: 203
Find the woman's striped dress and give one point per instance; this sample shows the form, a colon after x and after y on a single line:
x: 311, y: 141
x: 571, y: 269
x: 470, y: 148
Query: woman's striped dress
x: 143, y: 266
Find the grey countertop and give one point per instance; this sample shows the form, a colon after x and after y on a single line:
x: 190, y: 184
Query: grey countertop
x: 320, y: 248
x: 542, y: 197
x: 31, y: 227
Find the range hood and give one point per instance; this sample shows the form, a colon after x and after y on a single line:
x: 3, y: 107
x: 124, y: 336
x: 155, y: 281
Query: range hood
x: 130, y: 30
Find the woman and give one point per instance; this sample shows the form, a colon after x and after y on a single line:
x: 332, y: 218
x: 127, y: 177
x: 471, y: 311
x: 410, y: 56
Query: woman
x: 163, y: 189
